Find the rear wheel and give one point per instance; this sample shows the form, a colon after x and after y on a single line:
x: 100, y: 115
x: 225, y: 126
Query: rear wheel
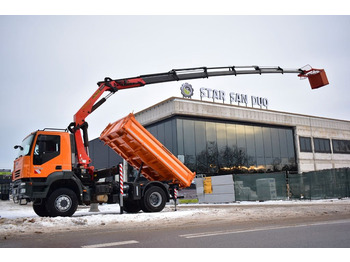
x: 62, y: 202
x: 154, y: 200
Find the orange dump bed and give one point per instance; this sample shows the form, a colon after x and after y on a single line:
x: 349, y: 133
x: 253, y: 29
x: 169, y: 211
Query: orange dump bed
x: 136, y: 145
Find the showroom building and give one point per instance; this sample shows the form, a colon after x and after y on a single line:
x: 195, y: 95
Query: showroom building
x: 215, y: 138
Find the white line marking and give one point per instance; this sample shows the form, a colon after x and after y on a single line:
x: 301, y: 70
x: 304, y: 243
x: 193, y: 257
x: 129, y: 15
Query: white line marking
x: 120, y: 243
x: 227, y: 232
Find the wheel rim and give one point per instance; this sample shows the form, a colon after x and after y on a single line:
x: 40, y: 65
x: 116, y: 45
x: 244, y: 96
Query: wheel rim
x: 63, y: 203
x: 155, y: 199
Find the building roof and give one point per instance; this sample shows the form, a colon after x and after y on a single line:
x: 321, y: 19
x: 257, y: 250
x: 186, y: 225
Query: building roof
x: 191, y: 107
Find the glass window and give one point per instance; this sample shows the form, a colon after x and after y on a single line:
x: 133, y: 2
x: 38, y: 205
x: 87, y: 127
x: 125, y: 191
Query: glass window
x: 283, y: 142
x: 168, y: 135
x: 267, y: 141
x: 241, y: 143
x: 221, y: 139
x: 180, y: 137
x: 276, y: 152
x: 46, y: 148
x: 305, y: 144
x: 259, y: 141
x: 25, y: 147
x: 221, y: 136
x: 322, y: 145
x: 341, y: 146
x: 231, y: 135
x: 250, y: 141
x: 212, y: 147
x: 189, y: 144
x: 290, y: 143
x: 201, y: 147
x: 161, y: 133
x: 153, y: 130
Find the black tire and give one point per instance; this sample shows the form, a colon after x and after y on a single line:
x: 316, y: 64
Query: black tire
x: 40, y: 208
x: 154, y: 199
x: 131, y: 206
x: 62, y: 202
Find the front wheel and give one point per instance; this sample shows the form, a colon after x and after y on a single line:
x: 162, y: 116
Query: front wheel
x: 40, y: 208
x: 154, y: 200
x: 62, y: 202
x: 131, y: 206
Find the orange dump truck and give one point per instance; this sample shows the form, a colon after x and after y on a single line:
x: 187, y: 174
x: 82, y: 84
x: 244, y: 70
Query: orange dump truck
x: 143, y: 151
x: 56, y: 188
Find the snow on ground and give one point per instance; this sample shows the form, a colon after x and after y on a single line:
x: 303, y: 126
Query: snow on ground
x: 16, y: 219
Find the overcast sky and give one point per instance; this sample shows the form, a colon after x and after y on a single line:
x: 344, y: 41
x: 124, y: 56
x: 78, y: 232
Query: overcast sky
x: 50, y: 65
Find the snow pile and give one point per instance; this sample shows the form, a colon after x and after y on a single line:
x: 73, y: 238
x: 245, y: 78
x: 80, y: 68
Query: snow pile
x: 22, y: 219
x: 16, y: 219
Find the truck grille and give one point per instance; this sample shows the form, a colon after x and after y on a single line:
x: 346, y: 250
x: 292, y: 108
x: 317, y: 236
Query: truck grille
x: 17, y: 174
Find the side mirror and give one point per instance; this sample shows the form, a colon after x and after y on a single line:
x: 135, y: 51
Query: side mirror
x: 18, y: 146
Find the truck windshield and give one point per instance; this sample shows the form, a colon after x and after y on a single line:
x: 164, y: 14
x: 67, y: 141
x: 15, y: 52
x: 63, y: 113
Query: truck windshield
x: 25, y: 146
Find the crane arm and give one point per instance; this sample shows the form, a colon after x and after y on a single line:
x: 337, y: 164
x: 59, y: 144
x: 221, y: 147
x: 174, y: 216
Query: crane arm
x: 112, y: 86
x: 195, y: 73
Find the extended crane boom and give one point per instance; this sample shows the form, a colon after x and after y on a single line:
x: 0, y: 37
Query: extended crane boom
x: 113, y: 86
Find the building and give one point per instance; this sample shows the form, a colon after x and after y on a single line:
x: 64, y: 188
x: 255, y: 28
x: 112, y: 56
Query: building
x: 103, y: 156
x: 253, y: 147
x: 217, y: 138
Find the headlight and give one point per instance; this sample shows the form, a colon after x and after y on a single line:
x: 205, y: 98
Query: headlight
x: 22, y: 190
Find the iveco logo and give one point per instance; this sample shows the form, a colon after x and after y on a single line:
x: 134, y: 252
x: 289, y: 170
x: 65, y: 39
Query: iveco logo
x: 186, y: 90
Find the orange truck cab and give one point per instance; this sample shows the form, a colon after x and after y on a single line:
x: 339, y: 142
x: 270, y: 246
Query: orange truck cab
x: 44, y: 165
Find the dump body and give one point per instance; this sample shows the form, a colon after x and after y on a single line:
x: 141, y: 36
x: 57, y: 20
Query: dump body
x: 139, y: 147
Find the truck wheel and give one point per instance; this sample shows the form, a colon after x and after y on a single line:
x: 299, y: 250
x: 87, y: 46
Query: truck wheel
x: 40, y: 208
x: 154, y: 200
x: 62, y: 202
x: 131, y: 206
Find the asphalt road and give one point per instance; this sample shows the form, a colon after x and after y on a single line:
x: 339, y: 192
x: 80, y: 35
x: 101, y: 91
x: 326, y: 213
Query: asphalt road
x: 330, y: 233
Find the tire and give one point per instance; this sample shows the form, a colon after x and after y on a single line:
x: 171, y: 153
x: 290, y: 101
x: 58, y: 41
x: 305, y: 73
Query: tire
x: 131, y: 206
x: 62, y: 202
x: 40, y: 208
x: 154, y: 199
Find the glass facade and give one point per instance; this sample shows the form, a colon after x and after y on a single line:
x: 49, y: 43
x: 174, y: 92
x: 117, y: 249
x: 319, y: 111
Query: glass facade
x: 217, y: 147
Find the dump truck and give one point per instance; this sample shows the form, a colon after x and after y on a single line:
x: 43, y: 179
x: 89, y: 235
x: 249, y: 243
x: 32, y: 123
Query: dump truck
x: 54, y: 171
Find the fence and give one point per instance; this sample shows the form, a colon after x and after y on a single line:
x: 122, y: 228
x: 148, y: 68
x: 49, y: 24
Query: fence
x: 264, y: 186
x: 5, y: 187
x: 332, y: 183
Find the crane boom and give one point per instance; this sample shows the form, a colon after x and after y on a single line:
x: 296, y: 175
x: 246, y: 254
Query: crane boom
x: 200, y: 72
x: 113, y: 86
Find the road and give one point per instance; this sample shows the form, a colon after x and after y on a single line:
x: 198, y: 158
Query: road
x: 296, y: 233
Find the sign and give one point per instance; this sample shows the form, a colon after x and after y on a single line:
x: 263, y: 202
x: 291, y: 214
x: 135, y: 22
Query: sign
x: 207, y: 185
x: 186, y: 90
x: 221, y: 96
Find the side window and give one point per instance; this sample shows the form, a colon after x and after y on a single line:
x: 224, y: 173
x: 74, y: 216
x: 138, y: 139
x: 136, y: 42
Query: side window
x: 305, y: 144
x: 46, y: 148
x: 322, y: 145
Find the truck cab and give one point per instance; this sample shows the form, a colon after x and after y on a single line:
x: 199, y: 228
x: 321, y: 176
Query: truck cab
x: 43, y: 157
x: 43, y: 153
